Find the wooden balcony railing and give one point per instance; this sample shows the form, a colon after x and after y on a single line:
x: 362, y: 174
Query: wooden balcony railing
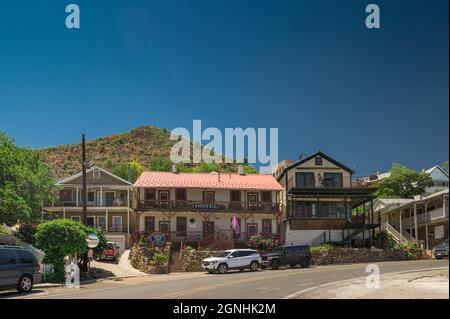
x: 191, y: 205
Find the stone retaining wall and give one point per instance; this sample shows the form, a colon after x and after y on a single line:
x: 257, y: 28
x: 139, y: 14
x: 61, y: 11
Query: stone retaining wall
x: 141, y: 258
x: 361, y: 255
x: 191, y: 259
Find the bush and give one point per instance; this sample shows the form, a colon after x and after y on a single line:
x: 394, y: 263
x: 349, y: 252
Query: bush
x: 4, y: 230
x: 26, y: 233
x: 261, y: 243
x: 320, y: 247
x: 160, y: 259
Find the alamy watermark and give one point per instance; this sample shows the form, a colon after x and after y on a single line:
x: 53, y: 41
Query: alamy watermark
x: 230, y: 147
x: 373, y: 279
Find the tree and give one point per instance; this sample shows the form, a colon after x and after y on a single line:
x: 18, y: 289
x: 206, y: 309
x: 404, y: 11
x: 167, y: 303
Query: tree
x: 445, y: 166
x: 161, y: 164
x: 403, y: 183
x: 63, y: 237
x: 25, y: 183
x: 121, y: 169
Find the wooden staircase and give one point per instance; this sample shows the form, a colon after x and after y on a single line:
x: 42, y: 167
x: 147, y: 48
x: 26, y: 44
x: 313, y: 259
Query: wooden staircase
x: 221, y: 240
x: 175, y: 261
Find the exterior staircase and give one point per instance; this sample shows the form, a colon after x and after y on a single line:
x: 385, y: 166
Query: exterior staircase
x: 175, y: 261
x: 403, y: 238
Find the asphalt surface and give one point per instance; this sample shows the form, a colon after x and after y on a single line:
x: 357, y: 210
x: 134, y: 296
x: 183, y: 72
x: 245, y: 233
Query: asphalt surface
x: 258, y: 285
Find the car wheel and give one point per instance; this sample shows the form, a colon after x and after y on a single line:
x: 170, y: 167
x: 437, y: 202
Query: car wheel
x: 292, y: 265
x: 304, y: 263
x: 275, y: 264
x: 222, y: 269
x: 210, y: 271
x: 438, y: 257
x: 254, y: 266
x: 25, y: 284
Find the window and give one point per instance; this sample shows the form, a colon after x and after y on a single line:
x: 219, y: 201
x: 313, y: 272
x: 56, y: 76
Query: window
x: 96, y: 174
x: 164, y: 227
x: 208, y: 197
x: 332, y: 210
x: 91, y: 196
x: 266, y: 197
x: 149, y: 224
x: 25, y: 257
x: 318, y: 161
x: 302, y: 209
x: 150, y: 194
x: 65, y: 195
x: 101, y: 222
x: 76, y: 218
x: 7, y: 257
x: 91, y: 221
x: 304, y: 179
x: 252, y: 229
x: 180, y: 194
x: 267, y: 226
x: 235, y: 196
x: 181, y: 226
x: 117, y: 223
x: 333, y: 180
x: 164, y: 196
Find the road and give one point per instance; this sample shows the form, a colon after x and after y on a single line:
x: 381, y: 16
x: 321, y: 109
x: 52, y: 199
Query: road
x: 242, y: 285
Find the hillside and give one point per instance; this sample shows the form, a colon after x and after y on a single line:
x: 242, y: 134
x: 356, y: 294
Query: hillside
x: 146, y: 144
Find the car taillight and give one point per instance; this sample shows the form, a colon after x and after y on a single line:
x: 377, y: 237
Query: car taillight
x: 38, y: 267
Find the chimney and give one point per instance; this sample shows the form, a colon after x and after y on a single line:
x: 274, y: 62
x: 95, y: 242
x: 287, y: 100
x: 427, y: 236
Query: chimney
x: 174, y: 168
x: 241, y: 169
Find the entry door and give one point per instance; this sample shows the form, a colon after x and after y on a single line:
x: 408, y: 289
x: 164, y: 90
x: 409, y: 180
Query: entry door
x: 164, y: 199
x: 164, y: 228
x: 109, y: 199
x: 208, y: 229
x: 252, y: 201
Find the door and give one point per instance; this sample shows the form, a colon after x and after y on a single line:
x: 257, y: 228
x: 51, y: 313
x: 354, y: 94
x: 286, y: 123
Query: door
x: 164, y: 228
x: 208, y: 229
x: 101, y: 222
x: 267, y: 227
x: 9, y: 274
x: 109, y: 199
x: 182, y: 226
x: 252, y: 201
x: 164, y: 199
x: 149, y: 225
x: 234, y: 260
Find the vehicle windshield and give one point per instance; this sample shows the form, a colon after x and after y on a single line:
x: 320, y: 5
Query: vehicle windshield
x: 109, y: 246
x: 223, y: 254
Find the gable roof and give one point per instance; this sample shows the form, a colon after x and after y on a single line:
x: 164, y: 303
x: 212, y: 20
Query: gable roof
x: 208, y: 180
x: 309, y: 157
x: 430, y: 170
x: 77, y: 175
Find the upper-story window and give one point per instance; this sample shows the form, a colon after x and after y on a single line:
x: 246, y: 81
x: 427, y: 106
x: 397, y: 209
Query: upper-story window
x: 333, y: 180
x: 96, y: 173
x: 150, y: 194
x: 180, y: 194
x: 304, y: 179
x: 266, y: 197
x: 235, y: 195
x: 318, y: 160
x: 208, y: 197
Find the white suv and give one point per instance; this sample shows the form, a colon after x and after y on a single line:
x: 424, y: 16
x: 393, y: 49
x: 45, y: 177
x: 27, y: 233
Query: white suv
x: 233, y: 259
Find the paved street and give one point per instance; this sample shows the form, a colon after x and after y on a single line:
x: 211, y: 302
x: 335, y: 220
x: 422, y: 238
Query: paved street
x: 260, y: 285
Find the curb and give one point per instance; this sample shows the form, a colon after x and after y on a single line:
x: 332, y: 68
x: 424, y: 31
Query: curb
x: 86, y: 282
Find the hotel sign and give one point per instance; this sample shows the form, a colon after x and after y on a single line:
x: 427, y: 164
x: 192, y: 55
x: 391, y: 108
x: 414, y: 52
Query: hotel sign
x: 204, y: 206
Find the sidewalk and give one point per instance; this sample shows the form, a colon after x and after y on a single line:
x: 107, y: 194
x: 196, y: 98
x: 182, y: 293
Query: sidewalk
x: 432, y: 284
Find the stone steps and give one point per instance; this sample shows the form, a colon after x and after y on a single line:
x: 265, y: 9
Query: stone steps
x: 175, y: 261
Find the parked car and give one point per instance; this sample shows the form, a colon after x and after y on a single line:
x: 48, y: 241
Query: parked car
x: 440, y: 251
x: 111, y: 252
x: 18, y: 269
x: 287, y: 255
x: 233, y: 259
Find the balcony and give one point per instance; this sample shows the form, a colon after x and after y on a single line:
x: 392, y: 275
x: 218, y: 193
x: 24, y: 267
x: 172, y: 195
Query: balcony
x: 113, y: 203
x: 430, y: 216
x: 190, y: 205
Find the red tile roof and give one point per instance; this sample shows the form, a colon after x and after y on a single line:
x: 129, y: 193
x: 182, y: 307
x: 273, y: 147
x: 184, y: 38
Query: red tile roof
x: 208, y: 180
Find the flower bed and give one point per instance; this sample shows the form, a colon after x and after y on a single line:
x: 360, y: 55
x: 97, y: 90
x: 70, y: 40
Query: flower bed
x: 151, y: 260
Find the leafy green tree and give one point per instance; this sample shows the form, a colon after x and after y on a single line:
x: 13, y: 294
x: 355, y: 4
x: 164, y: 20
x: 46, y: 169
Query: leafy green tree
x: 403, y: 183
x: 121, y: 169
x: 445, y: 166
x: 25, y: 183
x: 63, y: 237
x: 161, y: 164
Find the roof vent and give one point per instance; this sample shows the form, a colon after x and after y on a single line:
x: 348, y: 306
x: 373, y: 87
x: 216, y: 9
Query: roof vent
x: 174, y: 168
x: 241, y: 169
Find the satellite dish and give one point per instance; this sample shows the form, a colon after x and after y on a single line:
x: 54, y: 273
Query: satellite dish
x: 92, y: 240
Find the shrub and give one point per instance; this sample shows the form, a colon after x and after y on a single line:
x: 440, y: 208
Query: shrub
x: 320, y: 247
x: 259, y: 242
x: 160, y: 259
x: 26, y: 233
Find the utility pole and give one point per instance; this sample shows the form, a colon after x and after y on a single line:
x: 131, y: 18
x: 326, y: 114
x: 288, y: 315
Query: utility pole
x: 84, y: 188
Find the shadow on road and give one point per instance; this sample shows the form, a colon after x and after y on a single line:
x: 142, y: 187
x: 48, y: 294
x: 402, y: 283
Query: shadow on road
x: 11, y: 293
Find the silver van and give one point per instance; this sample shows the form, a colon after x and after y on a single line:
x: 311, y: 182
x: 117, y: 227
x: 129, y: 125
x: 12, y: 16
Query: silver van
x: 18, y: 269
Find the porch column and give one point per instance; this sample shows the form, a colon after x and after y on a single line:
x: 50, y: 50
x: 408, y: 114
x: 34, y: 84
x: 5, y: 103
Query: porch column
x: 400, y: 222
x: 101, y: 196
x: 443, y: 206
x: 106, y: 220
x: 426, y: 236
x: 128, y: 210
x: 416, y: 231
x: 64, y: 213
x: 76, y: 197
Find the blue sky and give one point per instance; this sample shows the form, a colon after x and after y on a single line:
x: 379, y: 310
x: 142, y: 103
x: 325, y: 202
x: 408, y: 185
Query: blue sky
x: 310, y: 68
